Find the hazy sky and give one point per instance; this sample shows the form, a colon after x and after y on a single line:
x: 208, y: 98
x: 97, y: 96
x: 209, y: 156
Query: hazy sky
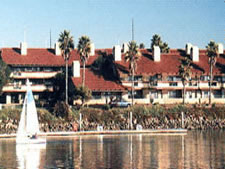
x: 108, y: 22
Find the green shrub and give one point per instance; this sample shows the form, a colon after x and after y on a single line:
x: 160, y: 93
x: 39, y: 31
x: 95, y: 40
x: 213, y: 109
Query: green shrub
x: 46, y: 116
x: 8, y: 113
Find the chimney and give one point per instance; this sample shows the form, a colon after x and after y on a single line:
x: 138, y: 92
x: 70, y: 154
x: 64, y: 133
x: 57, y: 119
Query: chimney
x: 76, y: 68
x: 125, y: 47
x: 156, y: 53
x: 92, y: 49
x: 117, y: 52
x: 195, y: 54
x: 23, y: 48
x: 220, y: 48
x: 188, y: 48
x: 57, y: 49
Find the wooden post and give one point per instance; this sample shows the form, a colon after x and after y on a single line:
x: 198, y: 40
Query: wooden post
x: 131, y: 123
x: 182, y: 119
x: 80, y: 121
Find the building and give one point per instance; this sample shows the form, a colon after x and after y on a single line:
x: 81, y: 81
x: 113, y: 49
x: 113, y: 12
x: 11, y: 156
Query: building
x: 156, y: 81
x: 38, y: 65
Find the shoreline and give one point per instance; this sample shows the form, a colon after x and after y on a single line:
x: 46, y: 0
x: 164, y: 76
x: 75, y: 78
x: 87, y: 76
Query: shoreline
x: 106, y: 132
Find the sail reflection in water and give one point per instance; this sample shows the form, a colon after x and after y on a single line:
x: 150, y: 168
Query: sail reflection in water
x: 29, y: 155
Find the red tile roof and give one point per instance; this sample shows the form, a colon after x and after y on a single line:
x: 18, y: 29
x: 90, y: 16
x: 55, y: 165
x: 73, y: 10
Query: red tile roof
x: 41, y: 56
x: 170, y: 62
x: 97, y: 82
x: 44, y: 57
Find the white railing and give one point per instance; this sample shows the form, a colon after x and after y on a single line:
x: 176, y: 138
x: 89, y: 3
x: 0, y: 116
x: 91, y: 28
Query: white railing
x: 40, y: 75
x: 22, y: 88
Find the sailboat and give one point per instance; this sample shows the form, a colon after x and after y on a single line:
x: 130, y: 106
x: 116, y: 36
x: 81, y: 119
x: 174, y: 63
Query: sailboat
x: 28, y: 129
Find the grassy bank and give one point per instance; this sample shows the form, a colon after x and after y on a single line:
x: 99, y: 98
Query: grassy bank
x: 150, y: 117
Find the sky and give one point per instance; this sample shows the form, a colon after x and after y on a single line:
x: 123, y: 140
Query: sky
x: 109, y: 22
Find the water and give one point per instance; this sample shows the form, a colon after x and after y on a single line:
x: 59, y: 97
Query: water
x: 194, y: 150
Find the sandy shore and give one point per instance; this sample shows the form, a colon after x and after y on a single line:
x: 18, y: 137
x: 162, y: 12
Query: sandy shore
x: 108, y: 132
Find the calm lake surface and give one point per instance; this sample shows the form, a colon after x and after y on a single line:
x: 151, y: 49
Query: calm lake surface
x: 197, y: 149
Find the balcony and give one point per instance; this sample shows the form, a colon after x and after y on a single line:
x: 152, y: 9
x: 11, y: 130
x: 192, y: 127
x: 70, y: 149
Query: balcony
x: 22, y: 88
x: 33, y: 75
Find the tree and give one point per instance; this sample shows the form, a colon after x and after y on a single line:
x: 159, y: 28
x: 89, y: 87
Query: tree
x: 84, y: 49
x: 66, y: 46
x: 156, y: 41
x: 141, y: 46
x: 212, y: 53
x: 83, y: 93
x: 4, y: 74
x: 165, y: 48
x: 58, y: 93
x: 185, y: 73
x: 132, y: 56
x: 105, y: 66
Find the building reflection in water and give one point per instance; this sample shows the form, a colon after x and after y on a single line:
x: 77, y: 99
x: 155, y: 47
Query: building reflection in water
x: 194, y: 150
x: 29, y: 155
x: 144, y: 151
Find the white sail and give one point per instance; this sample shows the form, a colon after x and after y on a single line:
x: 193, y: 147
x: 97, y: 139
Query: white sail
x: 28, y: 125
x: 21, y: 132
x: 32, y: 125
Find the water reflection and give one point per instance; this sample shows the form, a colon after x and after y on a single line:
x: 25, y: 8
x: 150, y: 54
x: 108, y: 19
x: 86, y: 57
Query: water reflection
x: 145, y: 151
x: 195, y: 150
x: 29, y: 155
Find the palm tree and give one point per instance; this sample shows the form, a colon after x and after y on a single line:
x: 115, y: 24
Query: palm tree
x: 132, y: 56
x: 156, y: 41
x: 165, y: 48
x: 212, y: 53
x: 66, y: 46
x: 142, y: 46
x: 185, y: 73
x: 84, y: 49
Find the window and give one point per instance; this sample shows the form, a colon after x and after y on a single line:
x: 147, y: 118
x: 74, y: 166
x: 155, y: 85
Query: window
x: 173, y: 78
x: 214, y: 84
x: 153, y: 80
x: 138, y: 94
x: 48, y: 69
x: 217, y: 78
x: 223, y: 78
x: 204, y: 78
x: 153, y: 83
x: 157, y: 77
x: 192, y: 83
x: 175, y: 94
x: 137, y: 78
x: 218, y: 94
x: 189, y: 94
x: 173, y: 84
x: 15, y: 98
x: 96, y: 95
x: 153, y: 94
x: 28, y: 69
x: 205, y: 94
x: 197, y: 93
